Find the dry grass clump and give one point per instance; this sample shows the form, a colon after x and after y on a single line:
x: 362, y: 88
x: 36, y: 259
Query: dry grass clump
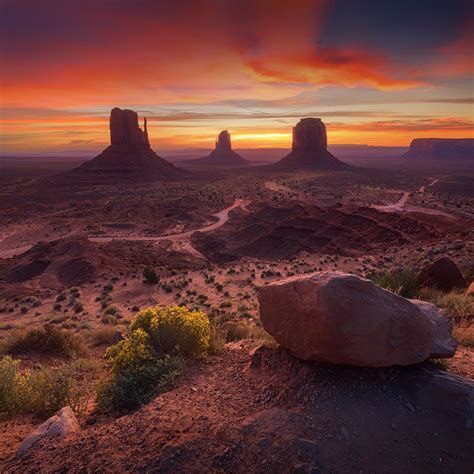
x: 102, y: 336
x: 47, y: 340
x: 464, y: 335
x: 456, y: 303
x: 403, y: 282
x: 42, y: 392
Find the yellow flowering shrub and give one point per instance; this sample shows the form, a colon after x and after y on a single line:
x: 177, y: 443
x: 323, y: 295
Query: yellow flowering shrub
x: 146, y: 362
x: 175, y: 330
x: 131, y: 353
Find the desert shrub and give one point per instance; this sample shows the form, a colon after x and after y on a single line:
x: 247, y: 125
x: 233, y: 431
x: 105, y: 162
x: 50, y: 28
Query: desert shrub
x: 103, y: 336
x: 403, y: 282
x: 464, y: 335
x: 112, y: 310
x: 143, y: 364
x: 456, y: 303
x: 42, y: 392
x: 137, y: 374
x: 174, y: 330
x: 150, y: 276
x: 129, y: 389
x: 217, y: 340
x: 45, y: 340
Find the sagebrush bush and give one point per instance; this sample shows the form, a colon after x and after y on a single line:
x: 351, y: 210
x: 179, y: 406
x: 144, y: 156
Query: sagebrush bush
x: 45, y: 340
x: 150, y: 276
x: 403, y: 282
x: 42, y: 392
x: 174, y: 330
x: 144, y: 363
x: 128, y: 389
x: 103, y: 336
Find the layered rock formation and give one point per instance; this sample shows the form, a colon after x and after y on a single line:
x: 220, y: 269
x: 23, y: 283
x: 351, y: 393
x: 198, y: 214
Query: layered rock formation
x: 129, y: 155
x: 441, y: 148
x: 223, y: 154
x: 343, y: 319
x: 309, y: 148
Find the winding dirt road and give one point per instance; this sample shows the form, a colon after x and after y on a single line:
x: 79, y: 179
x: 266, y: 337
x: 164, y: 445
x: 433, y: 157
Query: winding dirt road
x: 222, y: 217
x: 401, y: 204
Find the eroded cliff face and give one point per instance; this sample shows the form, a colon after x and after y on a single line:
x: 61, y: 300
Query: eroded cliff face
x: 442, y: 148
x: 125, y: 131
x: 309, y: 135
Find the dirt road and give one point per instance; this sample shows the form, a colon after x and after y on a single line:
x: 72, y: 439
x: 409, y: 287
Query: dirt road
x: 222, y: 218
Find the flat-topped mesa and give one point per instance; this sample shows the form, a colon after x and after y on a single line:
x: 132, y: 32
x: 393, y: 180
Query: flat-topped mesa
x: 454, y: 148
x: 309, y: 135
x: 125, y: 131
x: 310, y: 148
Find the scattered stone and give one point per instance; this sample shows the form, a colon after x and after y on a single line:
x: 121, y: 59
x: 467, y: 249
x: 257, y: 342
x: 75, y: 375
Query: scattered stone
x: 443, y: 274
x: 343, y: 319
x: 61, y: 424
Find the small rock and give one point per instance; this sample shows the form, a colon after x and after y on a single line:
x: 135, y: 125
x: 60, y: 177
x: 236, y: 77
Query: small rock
x: 61, y: 424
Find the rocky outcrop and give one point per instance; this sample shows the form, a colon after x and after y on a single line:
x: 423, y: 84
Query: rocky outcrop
x: 129, y: 156
x: 343, y: 319
x: 61, y: 424
x: 441, y: 148
x: 443, y: 274
x: 222, y: 155
x: 309, y: 148
x: 125, y: 132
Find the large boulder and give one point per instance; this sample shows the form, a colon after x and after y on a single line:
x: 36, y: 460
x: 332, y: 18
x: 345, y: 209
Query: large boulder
x: 61, y: 424
x: 343, y: 319
x: 443, y: 274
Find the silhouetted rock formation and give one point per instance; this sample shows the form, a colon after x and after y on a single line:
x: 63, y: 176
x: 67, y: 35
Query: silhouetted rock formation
x: 223, y: 154
x: 309, y: 149
x: 441, y: 148
x: 129, y: 156
x: 443, y: 274
x: 125, y: 132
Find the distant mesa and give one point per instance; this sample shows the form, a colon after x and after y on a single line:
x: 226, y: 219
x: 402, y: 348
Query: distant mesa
x: 441, y: 148
x: 129, y: 156
x: 222, y: 155
x: 309, y: 149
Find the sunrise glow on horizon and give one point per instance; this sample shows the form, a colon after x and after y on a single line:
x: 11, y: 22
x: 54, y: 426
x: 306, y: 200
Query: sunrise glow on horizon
x: 376, y: 73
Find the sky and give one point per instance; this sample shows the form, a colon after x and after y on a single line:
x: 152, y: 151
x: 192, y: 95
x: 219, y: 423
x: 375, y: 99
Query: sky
x: 378, y: 72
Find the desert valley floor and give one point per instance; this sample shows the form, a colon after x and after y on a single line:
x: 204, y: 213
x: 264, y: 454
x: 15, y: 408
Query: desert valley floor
x: 72, y: 255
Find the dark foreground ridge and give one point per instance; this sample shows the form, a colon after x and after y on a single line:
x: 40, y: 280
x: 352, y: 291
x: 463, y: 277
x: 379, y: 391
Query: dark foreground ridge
x: 129, y: 156
x: 266, y: 411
